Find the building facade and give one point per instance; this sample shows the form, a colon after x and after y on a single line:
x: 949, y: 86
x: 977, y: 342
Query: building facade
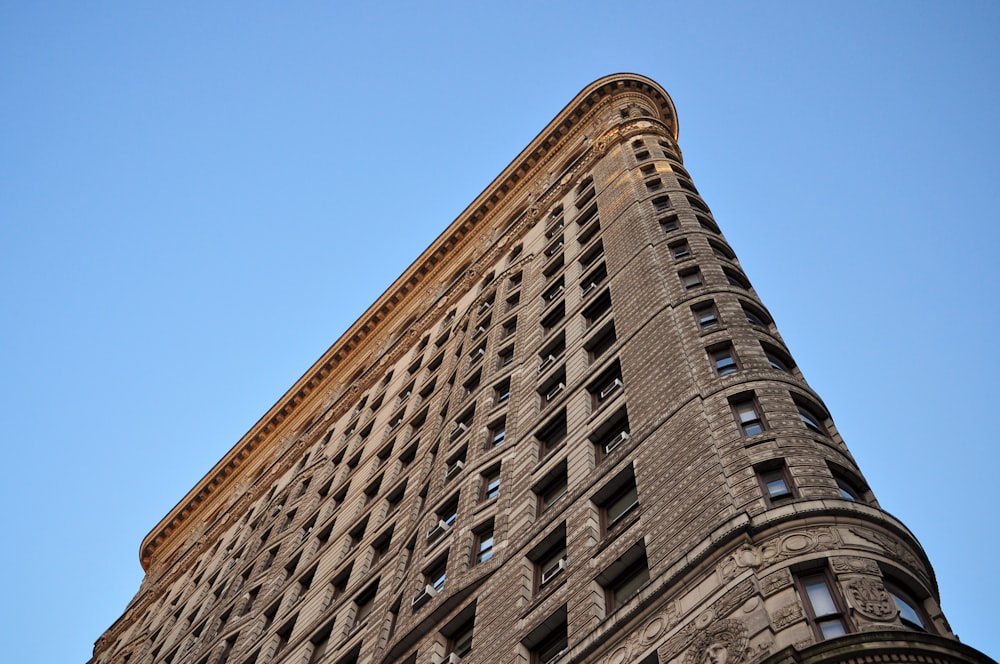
x: 569, y: 432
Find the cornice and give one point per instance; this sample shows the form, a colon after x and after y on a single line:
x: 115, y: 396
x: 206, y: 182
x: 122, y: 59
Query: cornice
x: 523, y: 182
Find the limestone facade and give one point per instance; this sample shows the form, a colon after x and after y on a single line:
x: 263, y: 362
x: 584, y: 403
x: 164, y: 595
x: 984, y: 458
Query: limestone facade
x: 569, y: 432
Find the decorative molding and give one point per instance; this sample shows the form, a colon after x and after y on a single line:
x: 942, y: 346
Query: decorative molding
x: 869, y: 597
x: 782, y: 547
x: 787, y: 615
x: 854, y: 565
x: 772, y: 583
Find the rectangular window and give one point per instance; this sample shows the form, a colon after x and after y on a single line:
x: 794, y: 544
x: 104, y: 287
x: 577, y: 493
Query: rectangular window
x: 670, y: 223
x: 680, y: 249
x: 484, y: 542
x: 601, y: 342
x: 491, y: 483
x: 501, y: 392
x: 551, y: 488
x: 549, y: 557
x: 618, y: 499
x: 497, y: 433
x: 824, y: 606
x: 775, y: 482
x: 748, y: 414
x: 551, y: 435
x: 690, y: 279
x: 436, y: 573
x: 723, y: 359
x: 706, y: 315
x: 548, y: 642
x: 624, y: 577
x: 596, y: 309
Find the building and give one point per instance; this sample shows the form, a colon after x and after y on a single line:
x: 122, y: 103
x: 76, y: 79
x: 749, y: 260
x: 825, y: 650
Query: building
x: 570, y: 431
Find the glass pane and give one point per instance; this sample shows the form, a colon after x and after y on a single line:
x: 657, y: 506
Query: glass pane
x: 752, y: 429
x: 907, y: 611
x: 777, y: 488
x: 832, y: 629
x: 820, y: 597
x: 747, y: 413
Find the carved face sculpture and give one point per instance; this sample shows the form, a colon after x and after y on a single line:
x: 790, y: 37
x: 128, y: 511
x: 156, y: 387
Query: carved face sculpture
x: 716, y: 653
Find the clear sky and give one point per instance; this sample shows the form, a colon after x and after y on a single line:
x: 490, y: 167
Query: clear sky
x: 196, y: 201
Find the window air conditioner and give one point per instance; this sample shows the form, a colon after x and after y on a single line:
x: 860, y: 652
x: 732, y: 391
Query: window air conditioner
x: 610, y: 446
x: 555, y: 391
x: 460, y: 428
x: 440, y: 527
x: 454, y: 469
x: 607, y: 391
x: 553, y: 571
x: 423, y: 595
x: 554, y: 293
x: 453, y: 658
x: 590, y: 287
x: 479, y: 330
x: 546, y: 363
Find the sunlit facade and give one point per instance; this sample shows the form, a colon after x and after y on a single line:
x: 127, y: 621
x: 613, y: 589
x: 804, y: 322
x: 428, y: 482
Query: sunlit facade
x: 569, y: 432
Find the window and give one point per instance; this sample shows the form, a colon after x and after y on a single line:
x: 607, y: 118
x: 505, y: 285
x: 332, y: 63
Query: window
x: 554, y: 291
x: 748, y: 414
x: 505, y: 357
x: 662, y: 204
x: 690, y: 279
x: 654, y: 184
x: 588, y: 257
x: 483, y: 542
x: 509, y: 328
x: 459, y: 632
x: 777, y: 358
x: 736, y: 278
x: 551, y: 435
x: 501, y: 392
x: 721, y: 250
x: 553, y: 386
x: 810, y: 417
x: 707, y: 224
x: 601, y: 342
x: 550, y: 640
x: 754, y: 315
x: 513, y: 300
x: 824, y: 608
x: 446, y: 515
x: 436, y: 573
x: 670, y: 223
x: 911, y: 611
x: 553, y: 318
x: 706, y: 315
x: 680, y: 249
x: 608, y: 384
x: 491, y: 483
x: 723, y: 359
x: 549, y: 557
x: 395, y: 497
x: 456, y: 463
x: 617, y: 499
x: 775, y: 482
x: 624, y: 577
x: 497, y: 433
x: 596, y: 309
x: 589, y: 284
x: 320, y: 642
x: 611, y: 434
x: 365, y: 602
x: 551, y: 487
x: 848, y: 484
x: 552, y: 352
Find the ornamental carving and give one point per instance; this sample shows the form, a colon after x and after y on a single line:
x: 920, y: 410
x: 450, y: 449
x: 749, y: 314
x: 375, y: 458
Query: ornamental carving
x: 893, y: 547
x: 772, y: 583
x: 724, y: 606
x: 778, y: 549
x: 787, y: 615
x: 854, y: 565
x: 870, y: 598
x: 723, y: 642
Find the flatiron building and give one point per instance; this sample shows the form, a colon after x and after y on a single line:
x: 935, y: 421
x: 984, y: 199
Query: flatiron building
x: 568, y: 432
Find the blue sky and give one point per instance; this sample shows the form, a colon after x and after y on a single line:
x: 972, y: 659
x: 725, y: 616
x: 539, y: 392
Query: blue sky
x: 196, y: 201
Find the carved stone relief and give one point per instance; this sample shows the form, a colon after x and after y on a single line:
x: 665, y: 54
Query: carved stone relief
x: 778, y: 549
x: 854, y: 565
x: 870, y: 598
x: 787, y: 615
x: 893, y: 547
x: 723, y: 642
x: 772, y: 583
